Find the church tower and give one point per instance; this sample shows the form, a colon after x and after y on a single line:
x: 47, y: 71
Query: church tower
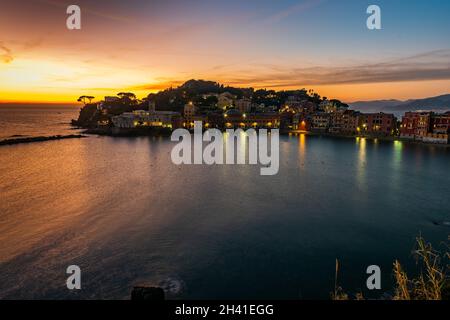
x: 151, y: 106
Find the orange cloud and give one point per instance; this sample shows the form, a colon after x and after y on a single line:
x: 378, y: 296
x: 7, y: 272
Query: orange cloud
x: 5, y: 54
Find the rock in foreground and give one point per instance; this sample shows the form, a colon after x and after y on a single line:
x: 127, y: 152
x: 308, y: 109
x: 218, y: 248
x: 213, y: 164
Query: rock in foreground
x: 147, y: 293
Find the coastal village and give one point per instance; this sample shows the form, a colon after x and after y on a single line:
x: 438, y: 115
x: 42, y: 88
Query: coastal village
x: 216, y: 106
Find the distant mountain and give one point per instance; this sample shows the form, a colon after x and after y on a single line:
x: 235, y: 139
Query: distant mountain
x: 438, y: 103
x: 434, y: 103
x: 376, y: 105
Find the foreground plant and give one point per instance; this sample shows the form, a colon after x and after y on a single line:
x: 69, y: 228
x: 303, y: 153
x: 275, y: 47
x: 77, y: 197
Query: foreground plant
x: 432, y: 282
x: 338, y: 293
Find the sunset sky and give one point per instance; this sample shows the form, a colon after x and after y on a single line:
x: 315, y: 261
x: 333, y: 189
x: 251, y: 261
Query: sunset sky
x: 146, y: 46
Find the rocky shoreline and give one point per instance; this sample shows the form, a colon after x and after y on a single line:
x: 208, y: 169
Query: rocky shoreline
x: 7, y: 142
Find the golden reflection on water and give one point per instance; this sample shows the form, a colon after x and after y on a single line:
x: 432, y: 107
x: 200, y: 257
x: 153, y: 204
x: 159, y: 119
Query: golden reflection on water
x: 398, y: 150
x: 81, y: 192
x: 396, y: 163
x: 118, y: 204
x: 361, y: 163
x: 302, y: 150
x: 34, y: 177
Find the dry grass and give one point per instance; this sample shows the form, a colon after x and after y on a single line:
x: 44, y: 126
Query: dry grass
x: 338, y: 293
x: 401, y: 279
x: 432, y: 282
x: 432, y: 275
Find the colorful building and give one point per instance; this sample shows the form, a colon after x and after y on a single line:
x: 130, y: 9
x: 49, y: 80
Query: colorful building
x: 426, y: 127
x: 408, y: 127
x: 441, y: 123
x: 381, y: 123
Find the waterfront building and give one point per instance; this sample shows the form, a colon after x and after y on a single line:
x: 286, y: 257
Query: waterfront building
x: 375, y: 124
x: 416, y: 125
x: 441, y: 123
x: 235, y: 119
x: 143, y: 118
x: 320, y: 122
x: 125, y: 120
x: 344, y: 122
x: 426, y: 126
x: 408, y: 127
x: 434, y: 128
x: 209, y: 120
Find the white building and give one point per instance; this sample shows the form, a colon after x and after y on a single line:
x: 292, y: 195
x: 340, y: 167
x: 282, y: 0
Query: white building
x: 142, y: 118
x: 125, y: 120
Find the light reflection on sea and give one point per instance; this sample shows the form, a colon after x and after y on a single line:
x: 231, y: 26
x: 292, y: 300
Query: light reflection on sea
x: 119, y: 209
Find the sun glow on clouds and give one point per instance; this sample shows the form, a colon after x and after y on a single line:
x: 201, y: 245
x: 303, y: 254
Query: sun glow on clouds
x: 39, y: 80
x: 44, y: 80
x: 147, y: 46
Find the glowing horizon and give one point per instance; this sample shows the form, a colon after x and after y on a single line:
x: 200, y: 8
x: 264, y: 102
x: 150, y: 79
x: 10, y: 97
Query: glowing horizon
x: 145, y: 47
